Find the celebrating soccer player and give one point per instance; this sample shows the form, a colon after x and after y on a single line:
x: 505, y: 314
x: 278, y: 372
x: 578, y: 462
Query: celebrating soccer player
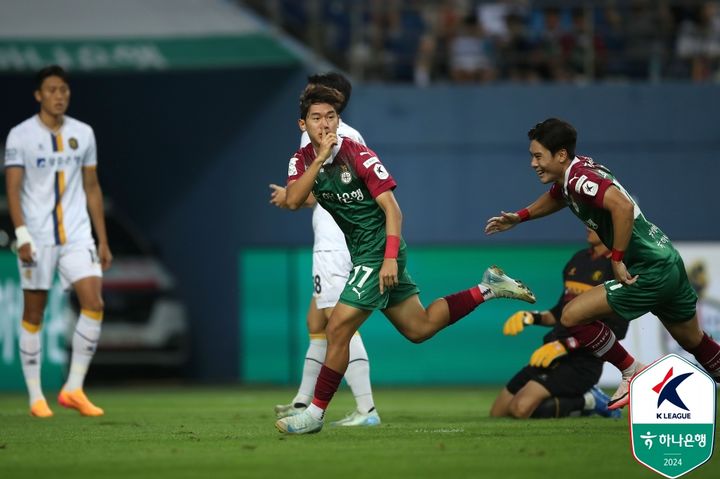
x: 349, y: 180
x: 649, y: 273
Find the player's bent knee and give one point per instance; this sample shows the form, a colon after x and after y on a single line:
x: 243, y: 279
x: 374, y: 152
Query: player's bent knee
x: 520, y: 409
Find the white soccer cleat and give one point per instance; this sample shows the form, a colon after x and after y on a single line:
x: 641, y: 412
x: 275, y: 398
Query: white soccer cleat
x: 285, y: 410
x: 503, y: 286
x: 621, y: 398
x: 357, y: 418
x: 302, y: 423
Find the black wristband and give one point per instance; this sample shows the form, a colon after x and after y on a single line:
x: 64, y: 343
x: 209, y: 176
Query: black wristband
x: 537, y: 317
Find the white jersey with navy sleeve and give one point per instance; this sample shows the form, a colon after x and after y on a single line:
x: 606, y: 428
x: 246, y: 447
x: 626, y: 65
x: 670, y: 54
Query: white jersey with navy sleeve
x: 53, y: 200
x: 327, y: 234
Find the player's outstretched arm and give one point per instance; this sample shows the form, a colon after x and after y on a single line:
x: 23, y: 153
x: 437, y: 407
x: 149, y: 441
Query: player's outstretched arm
x: 543, y: 206
x: 278, y: 197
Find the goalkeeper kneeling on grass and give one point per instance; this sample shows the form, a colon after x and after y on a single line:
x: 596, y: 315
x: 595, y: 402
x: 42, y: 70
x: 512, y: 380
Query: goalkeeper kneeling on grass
x: 560, y: 381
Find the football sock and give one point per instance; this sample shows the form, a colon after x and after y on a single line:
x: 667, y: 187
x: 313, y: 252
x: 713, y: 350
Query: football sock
x: 357, y: 375
x: 601, y: 341
x: 314, y: 359
x: 463, y: 303
x: 559, y: 407
x: 31, y: 358
x: 327, y: 384
x: 708, y: 355
x: 87, y: 333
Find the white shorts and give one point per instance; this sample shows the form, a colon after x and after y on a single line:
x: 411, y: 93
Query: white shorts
x: 73, y: 262
x: 331, y: 270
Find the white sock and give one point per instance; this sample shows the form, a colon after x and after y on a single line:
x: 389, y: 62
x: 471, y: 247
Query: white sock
x: 31, y: 359
x: 486, y: 292
x: 87, y: 333
x: 314, y: 359
x: 316, y: 412
x: 589, y: 401
x: 357, y: 375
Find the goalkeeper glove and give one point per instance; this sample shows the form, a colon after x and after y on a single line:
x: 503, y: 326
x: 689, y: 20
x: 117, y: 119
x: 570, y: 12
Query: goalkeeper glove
x: 547, y: 353
x: 517, y: 322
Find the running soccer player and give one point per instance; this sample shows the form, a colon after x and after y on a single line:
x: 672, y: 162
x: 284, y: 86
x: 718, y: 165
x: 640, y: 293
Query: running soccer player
x: 349, y: 181
x: 649, y: 272
x: 555, y: 384
x: 331, y: 267
x: 52, y: 184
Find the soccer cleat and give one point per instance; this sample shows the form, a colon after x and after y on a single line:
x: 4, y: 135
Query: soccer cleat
x: 621, y: 398
x: 78, y: 400
x: 285, y: 410
x: 601, y: 404
x: 356, y: 418
x: 302, y: 423
x: 41, y: 409
x: 503, y: 286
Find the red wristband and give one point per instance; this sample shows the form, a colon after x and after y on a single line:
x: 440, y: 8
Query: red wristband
x: 392, y: 246
x: 524, y: 214
x: 617, y: 255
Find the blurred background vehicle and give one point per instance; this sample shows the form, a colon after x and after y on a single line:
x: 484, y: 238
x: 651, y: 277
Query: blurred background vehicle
x: 145, y: 326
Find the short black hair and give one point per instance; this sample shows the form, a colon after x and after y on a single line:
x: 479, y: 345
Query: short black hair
x: 314, y: 94
x: 555, y: 135
x: 50, y: 71
x: 334, y: 80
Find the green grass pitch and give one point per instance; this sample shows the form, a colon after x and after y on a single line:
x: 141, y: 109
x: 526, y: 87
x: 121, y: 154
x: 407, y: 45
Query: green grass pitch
x: 214, y: 433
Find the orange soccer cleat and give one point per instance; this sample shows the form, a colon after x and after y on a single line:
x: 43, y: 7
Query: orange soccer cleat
x: 41, y: 409
x: 78, y: 400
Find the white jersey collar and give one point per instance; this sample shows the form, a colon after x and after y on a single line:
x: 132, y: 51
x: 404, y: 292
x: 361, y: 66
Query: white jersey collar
x: 567, y: 174
x: 45, y: 127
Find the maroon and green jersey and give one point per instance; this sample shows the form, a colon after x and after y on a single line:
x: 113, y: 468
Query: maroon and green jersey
x: 583, y: 190
x: 346, y: 187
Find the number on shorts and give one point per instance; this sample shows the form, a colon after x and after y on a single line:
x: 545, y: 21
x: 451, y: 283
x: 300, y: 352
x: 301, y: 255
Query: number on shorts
x: 316, y: 281
x: 366, y: 274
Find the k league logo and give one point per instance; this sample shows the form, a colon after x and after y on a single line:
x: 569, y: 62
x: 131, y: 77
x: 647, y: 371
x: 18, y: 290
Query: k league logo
x: 672, y: 416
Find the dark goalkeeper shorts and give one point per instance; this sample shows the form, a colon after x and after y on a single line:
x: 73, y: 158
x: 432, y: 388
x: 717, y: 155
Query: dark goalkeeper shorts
x: 565, y: 378
x: 666, y: 292
x: 362, y: 289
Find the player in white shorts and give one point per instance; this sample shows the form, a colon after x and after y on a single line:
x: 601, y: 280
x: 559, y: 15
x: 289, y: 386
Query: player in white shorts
x: 331, y: 268
x: 52, y: 184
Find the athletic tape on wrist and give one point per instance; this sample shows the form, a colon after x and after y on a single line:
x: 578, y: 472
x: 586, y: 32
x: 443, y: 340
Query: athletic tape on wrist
x: 23, y: 237
x: 524, y: 214
x: 392, y: 246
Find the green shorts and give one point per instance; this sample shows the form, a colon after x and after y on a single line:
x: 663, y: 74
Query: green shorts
x: 664, y: 292
x: 362, y: 289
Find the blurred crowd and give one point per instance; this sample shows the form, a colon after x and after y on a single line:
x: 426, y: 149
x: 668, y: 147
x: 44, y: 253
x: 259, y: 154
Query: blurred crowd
x: 467, y: 41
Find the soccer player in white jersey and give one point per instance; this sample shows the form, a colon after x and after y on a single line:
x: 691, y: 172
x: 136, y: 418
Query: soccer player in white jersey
x: 331, y: 268
x: 52, y: 184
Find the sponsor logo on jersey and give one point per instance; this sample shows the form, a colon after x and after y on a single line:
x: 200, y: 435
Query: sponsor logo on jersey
x: 292, y: 167
x: 590, y: 188
x: 579, y: 182
x: 381, y: 172
x: 41, y: 162
x: 73, y: 143
x: 369, y: 162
